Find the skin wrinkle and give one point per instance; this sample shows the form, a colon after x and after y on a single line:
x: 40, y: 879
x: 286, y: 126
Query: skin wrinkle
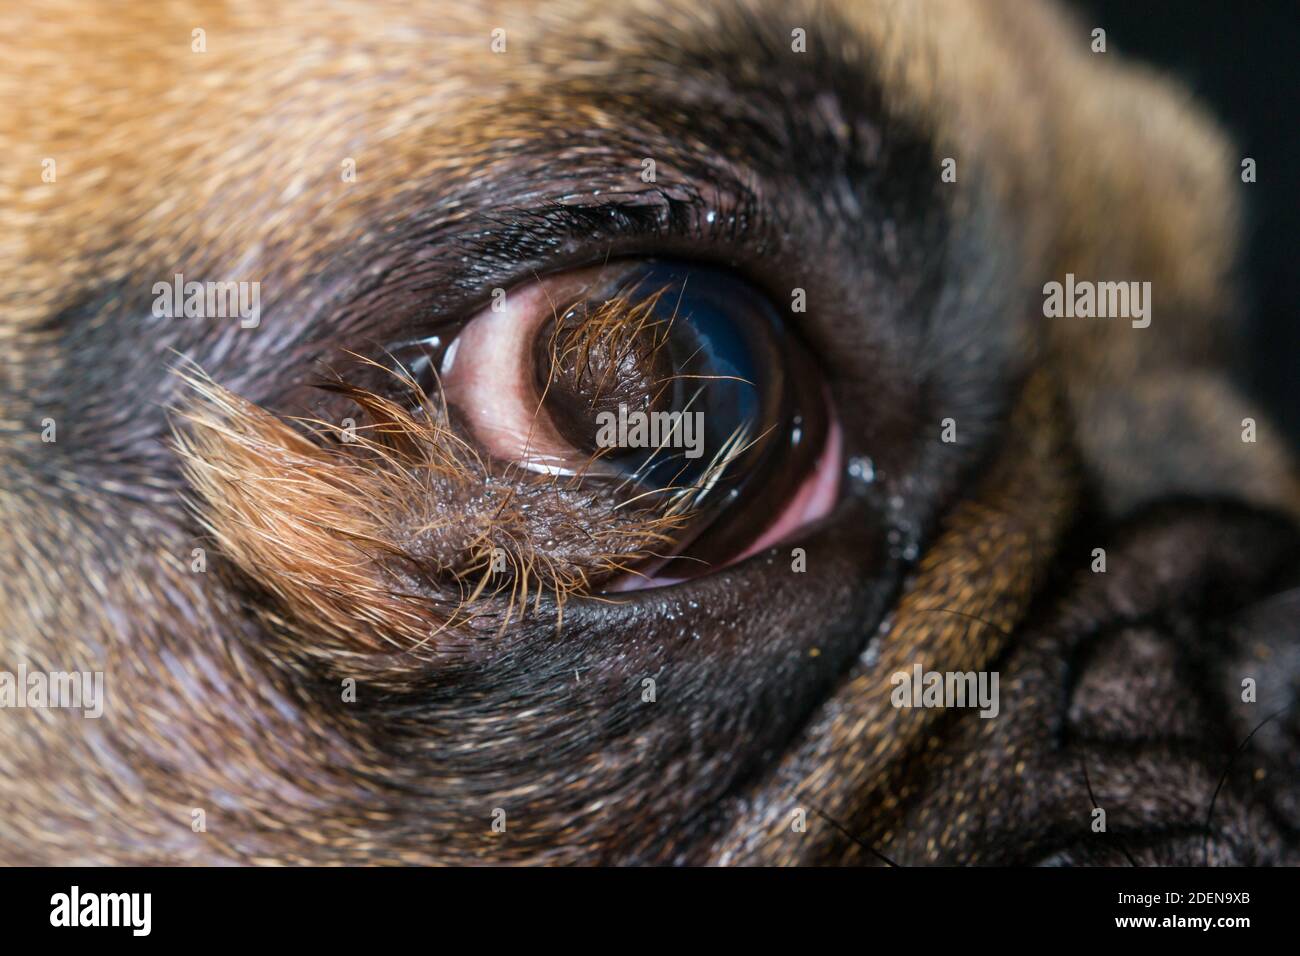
x: 475, y: 170
x: 979, y: 568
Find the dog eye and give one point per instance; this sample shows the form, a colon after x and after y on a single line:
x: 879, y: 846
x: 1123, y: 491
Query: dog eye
x: 676, y: 384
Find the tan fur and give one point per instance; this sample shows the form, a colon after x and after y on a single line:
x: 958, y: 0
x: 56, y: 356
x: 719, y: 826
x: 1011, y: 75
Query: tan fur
x: 233, y: 156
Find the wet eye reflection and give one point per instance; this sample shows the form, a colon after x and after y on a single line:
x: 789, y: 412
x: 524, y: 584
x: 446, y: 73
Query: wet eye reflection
x: 678, y: 384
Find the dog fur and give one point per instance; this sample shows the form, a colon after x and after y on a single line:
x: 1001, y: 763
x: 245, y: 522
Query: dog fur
x: 1120, y: 690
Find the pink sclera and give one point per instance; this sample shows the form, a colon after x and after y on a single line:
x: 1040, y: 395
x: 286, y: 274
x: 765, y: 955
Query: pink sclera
x: 486, y: 374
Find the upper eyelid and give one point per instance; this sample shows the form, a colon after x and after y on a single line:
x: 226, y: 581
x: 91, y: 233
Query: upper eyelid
x: 457, y: 267
x: 429, y: 272
x: 521, y: 237
x: 506, y: 225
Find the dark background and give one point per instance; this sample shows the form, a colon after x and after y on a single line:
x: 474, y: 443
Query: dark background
x: 1242, y: 60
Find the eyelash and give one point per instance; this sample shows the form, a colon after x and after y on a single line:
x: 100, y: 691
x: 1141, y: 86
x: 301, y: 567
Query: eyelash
x: 522, y: 244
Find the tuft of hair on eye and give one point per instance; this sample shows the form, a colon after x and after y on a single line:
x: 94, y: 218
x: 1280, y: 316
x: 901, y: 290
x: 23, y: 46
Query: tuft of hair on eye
x: 617, y: 354
x: 394, y: 535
